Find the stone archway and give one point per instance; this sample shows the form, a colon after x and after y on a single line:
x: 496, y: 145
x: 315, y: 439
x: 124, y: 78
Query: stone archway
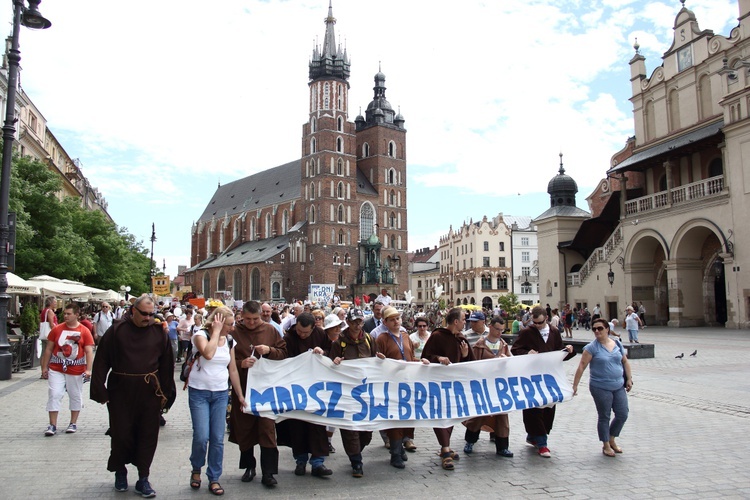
x: 692, y: 279
x: 645, y: 264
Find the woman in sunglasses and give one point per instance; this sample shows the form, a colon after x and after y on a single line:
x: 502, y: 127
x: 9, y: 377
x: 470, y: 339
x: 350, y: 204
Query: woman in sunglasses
x: 609, y: 382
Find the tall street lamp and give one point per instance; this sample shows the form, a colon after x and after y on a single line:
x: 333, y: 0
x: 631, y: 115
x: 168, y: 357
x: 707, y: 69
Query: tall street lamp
x: 152, y: 264
x: 31, y: 18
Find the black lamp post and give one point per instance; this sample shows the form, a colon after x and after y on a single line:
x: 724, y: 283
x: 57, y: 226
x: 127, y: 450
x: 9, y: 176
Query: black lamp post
x: 31, y: 18
x: 151, y: 263
x: 611, y: 276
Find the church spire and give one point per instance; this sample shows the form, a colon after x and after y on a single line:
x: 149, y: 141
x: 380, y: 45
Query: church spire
x: 330, y: 60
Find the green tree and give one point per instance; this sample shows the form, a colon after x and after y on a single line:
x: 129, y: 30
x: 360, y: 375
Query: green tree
x: 62, y: 239
x: 509, y: 303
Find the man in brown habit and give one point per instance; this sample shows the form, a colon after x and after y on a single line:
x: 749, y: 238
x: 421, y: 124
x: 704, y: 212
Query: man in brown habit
x: 137, y: 355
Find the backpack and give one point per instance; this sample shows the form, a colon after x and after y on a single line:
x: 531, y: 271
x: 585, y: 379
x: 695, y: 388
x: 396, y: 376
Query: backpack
x: 193, y: 358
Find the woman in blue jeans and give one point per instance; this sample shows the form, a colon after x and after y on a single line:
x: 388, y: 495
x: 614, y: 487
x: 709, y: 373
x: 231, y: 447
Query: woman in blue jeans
x: 208, y: 396
x: 609, y: 381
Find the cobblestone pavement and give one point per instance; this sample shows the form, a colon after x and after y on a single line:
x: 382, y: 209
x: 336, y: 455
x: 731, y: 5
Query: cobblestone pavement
x: 687, y: 436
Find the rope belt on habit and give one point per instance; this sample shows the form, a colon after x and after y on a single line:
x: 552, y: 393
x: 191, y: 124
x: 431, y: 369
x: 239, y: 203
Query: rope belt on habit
x: 147, y: 377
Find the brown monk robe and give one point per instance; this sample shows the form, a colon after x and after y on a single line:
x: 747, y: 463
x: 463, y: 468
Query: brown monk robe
x: 396, y: 344
x: 445, y: 346
x: 254, y: 339
x: 354, y: 343
x: 137, y: 356
x: 306, y: 440
x: 490, y: 347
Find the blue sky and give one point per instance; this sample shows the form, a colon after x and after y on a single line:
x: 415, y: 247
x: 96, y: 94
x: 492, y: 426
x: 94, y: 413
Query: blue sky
x: 161, y: 101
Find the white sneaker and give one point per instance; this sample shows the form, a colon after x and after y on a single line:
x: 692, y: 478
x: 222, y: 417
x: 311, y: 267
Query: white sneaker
x: 51, y: 430
x: 72, y: 428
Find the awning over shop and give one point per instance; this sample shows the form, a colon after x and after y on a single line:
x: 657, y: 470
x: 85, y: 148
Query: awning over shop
x: 666, y: 148
x: 20, y: 286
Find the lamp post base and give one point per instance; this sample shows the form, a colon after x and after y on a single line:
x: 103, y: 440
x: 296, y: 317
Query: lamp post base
x: 6, y: 365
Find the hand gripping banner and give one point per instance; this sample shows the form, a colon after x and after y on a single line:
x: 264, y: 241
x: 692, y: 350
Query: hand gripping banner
x: 375, y: 394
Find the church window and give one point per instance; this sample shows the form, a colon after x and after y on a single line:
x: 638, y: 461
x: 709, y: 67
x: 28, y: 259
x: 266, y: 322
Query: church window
x: 285, y: 222
x: 312, y: 190
x: 366, y: 221
x: 392, y: 220
x: 341, y: 236
x: 313, y: 124
x: 326, y: 95
x: 312, y: 146
x: 340, y: 124
x: 340, y: 94
x: 347, y: 259
x: 268, y: 225
x: 312, y: 215
x: 365, y: 150
x: 340, y: 211
x: 392, y: 199
x: 339, y: 144
x: 392, y: 149
x: 340, y: 191
x: 340, y: 167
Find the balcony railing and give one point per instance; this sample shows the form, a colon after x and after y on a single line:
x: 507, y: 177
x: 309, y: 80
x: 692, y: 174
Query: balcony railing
x: 705, y: 188
x: 601, y: 254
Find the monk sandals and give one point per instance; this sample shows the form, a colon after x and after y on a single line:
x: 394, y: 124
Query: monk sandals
x: 215, y: 488
x: 447, y: 460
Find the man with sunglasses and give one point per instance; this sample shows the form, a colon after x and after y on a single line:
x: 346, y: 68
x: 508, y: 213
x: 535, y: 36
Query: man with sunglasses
x: 536, y: 338
x: 133, y: 374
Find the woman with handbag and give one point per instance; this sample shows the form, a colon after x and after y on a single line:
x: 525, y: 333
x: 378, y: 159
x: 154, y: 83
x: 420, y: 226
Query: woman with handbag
x: 609, y: 382
x: 208, y: 395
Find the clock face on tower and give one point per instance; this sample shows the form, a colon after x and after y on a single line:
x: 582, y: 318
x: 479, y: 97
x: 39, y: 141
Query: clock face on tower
x: 684, y: 58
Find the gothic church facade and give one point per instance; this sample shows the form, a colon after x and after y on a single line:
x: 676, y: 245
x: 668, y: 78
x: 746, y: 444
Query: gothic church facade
x: 335, y: 216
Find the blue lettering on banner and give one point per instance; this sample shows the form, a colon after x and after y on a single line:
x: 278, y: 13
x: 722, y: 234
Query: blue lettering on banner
x: 404, y: 394
x: 283, y: 399
x: 266, y: 398
x: 501, y: 387
x: 462, y: 406
x: 300, y: 397
x: 446, y: 388
x: 382, y: 409
x: 512, y: 385
x: 553, y: 388
x: 313, y: 391
x: 436, y: 403
x: 493, y: 408
x: 420, y: 398
x: 537, y: 379
x: 480, y: 403
x: 357, y: 395
x: 335, y: 388
x: 528, y: 392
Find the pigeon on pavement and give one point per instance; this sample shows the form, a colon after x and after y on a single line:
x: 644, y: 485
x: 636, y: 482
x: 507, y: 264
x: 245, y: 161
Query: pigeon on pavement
x: 682, y: 355
x: 695, y: 352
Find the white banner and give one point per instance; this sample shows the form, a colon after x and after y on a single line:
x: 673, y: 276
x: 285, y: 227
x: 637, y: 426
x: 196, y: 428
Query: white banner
x: 375, y: 394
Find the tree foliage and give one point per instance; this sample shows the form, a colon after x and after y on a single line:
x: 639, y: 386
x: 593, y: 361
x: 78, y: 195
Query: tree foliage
x: 62, y: 239
x: 509, y: 303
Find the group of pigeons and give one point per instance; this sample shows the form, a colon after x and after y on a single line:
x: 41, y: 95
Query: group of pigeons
x: 682, y: 355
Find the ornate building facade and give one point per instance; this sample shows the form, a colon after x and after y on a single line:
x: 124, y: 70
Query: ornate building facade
x: 666, y: 227
x: 335, y: 216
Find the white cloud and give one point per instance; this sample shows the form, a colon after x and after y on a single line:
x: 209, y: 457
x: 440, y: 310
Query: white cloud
x: 161, y: 100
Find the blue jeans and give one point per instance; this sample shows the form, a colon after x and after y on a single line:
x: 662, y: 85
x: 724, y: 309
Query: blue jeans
x: 208, y: 410
x: 301, y: 458
x: 607, y: 401
x: 633, y: 334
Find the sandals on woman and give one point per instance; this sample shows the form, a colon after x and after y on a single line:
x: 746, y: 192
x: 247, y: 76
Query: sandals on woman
x: 614, y: 447
x: 215, y: 488
x: 195, y: 479
x: 447, y: 460
x: 608, y: 451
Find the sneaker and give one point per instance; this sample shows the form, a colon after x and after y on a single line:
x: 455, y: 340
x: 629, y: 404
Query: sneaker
x: 321, y: 471
x: 72, y: 428
x: 143, y: 487
x: 505, y: 453
x: 331, y: 449
x: 468, y: 448
x: 544, y: 452
x: 357, y: 470
x: 530, y: 443
x: 51, y: 430
x: 121, y: 480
